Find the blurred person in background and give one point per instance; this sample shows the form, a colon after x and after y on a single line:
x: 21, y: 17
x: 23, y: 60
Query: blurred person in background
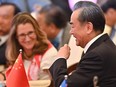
x: 52, y: 20
x: 37, y: 53
x: 28, y: 5
x: 64, y: 5
x: 109, y: 9
x: 7, y: 12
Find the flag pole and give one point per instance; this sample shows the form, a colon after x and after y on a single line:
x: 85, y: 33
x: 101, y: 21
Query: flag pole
x: 64, y: 83
x: 20, y: 50
x: 66, y: 76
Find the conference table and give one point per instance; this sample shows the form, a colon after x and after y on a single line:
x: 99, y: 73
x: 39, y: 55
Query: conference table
x: 37, y: 83
x: 40, y: 83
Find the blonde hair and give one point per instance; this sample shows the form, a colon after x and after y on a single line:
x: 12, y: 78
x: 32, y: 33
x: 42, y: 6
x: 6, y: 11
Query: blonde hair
x: 13, y: 46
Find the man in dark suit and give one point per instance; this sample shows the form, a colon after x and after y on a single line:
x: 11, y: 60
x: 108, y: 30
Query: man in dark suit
x: 7, y: 12
x: 99, y: 59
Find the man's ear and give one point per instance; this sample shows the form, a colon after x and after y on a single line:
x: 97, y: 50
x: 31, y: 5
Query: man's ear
x: 89, y: 27
x: 52, y: 28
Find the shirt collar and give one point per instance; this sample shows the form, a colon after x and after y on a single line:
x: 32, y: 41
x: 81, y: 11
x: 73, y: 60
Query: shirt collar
x: 107, y: 26
x: 3, y: 39
x: 91, y: 42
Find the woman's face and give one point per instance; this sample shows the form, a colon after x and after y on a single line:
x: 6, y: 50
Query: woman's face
x: 26, y: 36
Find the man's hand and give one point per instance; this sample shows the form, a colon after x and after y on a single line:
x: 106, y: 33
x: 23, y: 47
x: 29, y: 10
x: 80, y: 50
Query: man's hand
x: 64, y: 52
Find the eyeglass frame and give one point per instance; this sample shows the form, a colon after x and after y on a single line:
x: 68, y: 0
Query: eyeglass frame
x: 30, y: 34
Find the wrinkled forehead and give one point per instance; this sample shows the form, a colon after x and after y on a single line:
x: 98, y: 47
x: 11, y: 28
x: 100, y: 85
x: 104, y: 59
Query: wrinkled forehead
x: 6, y: 10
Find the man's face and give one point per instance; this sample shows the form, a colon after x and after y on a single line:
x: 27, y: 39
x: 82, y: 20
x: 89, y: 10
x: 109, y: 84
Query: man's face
x: 78, y: 30
x: 6, y: 15
x: 113, y: 16
x: 48, y: 29
x: 110, y: 17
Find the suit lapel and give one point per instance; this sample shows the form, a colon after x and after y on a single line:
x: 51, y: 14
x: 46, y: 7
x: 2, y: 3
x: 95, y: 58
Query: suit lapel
x: 95, y: 44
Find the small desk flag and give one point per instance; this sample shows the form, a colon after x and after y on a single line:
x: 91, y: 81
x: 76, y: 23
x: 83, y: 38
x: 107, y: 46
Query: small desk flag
x: 64, y: 83
x: 17, y: 76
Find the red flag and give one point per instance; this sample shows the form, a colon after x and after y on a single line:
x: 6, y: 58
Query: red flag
x: 17, y: 76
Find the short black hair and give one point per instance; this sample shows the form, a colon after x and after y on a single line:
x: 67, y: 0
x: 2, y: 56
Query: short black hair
x: 108, y: 4
x: 91, y: 12
x: 16, y: 8
x: 55, y: 15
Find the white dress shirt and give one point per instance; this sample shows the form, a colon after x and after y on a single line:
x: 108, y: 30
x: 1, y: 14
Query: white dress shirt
x: 3, y: 39
x: 91, y: 42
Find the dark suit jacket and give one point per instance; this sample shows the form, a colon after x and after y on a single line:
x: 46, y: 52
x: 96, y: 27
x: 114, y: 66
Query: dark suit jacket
x: 99, y: 60
x: 2, y: 54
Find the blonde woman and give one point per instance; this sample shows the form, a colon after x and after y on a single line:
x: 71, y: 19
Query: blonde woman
x: 37, y: 53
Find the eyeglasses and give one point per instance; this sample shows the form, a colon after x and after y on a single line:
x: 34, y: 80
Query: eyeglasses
x: 30, y: 34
